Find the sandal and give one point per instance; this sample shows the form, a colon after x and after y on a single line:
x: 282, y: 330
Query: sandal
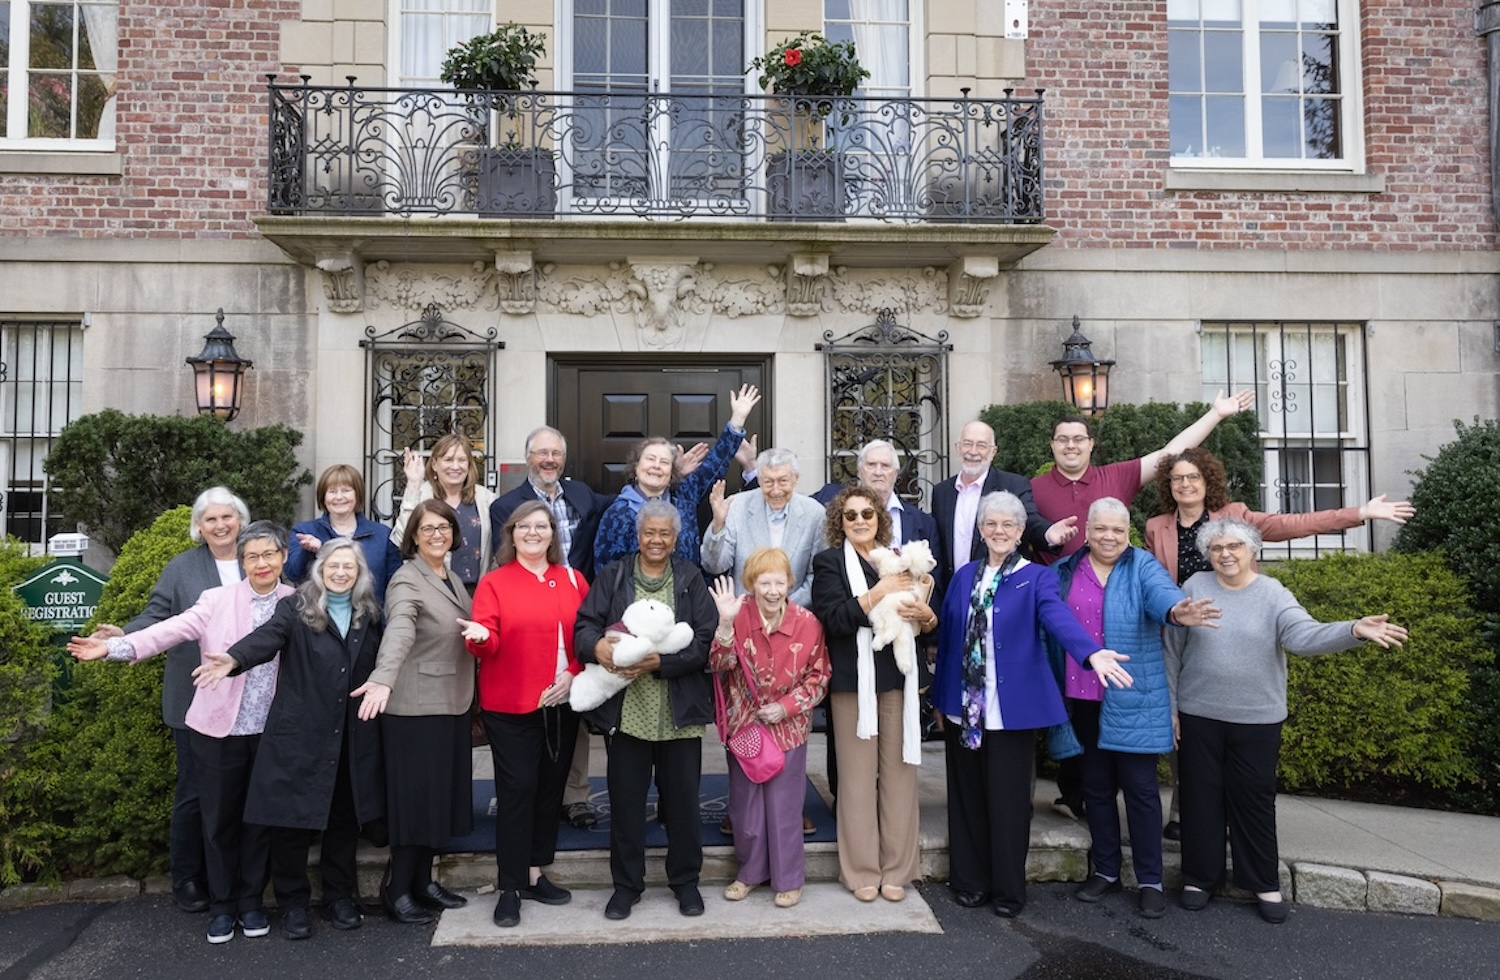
x: 786, y: 899
x: 737, y: 890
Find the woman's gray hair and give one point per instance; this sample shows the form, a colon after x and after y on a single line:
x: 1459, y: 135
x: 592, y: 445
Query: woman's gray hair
x: 262, y: 531
x: 314, y: 595
x: 1108, y: 505
x: 215, y: 497
x: 1228, y: 527
x: 1003, y: 501
x: 775, y: 459
x: 658, y: 508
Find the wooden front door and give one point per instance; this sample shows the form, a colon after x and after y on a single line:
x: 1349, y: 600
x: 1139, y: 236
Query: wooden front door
x: 604, y: 405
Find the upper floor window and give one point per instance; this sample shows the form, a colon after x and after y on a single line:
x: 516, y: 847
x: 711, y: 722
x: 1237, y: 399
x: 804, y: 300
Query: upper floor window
x: 881, y: 32
x: 427, y: 29
x: 57, y: 73
x: 1263, y: 83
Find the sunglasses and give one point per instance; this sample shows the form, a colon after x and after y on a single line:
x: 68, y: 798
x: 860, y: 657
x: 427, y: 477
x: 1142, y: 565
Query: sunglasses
x: 856, y: 515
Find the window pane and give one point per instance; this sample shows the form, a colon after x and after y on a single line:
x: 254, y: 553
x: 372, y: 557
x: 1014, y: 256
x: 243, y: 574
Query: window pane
x: 1318, y: 74
x: 1226, y: 126
x: 1324, y: 139
x: 1223, y: 60
x: 1184, y: 66
x: 1279, y: 63
x: 1280, y: 125
x: 1186, y: 114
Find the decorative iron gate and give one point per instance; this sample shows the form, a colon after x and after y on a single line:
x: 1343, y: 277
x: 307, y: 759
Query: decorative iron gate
x: 423, y: 380
x: 888, y: 381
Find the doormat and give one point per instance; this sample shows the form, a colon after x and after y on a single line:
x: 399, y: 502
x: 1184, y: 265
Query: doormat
x: 713, y: 805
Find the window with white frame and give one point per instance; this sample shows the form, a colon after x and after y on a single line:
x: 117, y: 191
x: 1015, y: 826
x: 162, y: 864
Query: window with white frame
x: 1310, y: 403
x: 57, y: 73
x: 1264, y: 83
x: 881, y: 32
x: 41, y: 390
x: 427, y: 29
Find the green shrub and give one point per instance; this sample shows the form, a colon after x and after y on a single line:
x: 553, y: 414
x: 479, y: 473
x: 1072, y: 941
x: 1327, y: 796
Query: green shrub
x: 113, y: 473
x: 113, y: 758
x: 27, y: 667
x: 1378, y: 715
x: 1023, y: 435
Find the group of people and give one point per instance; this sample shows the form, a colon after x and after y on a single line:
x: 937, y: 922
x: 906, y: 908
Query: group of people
x: 346, y: 708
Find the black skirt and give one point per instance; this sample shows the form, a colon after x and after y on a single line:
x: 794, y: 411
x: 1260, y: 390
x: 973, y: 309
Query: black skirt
x: 428, y: 778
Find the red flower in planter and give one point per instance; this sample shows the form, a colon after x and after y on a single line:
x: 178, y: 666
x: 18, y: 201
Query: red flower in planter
x: 793, y: 57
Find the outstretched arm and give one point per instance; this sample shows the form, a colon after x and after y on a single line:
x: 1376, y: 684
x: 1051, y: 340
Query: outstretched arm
x: 1223, y: 406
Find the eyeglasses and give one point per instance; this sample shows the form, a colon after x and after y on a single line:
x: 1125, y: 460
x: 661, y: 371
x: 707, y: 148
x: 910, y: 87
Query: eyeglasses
x: 1180, y: 478
x: 1009, y: 527
x: 548, y: 453
x: 1233, y: 547
x: 533, y: 528
x: 434, y: 530
x: 979, y: 445
x: 1072, y: 440
x: 868, y: 514
x: 263, y: 556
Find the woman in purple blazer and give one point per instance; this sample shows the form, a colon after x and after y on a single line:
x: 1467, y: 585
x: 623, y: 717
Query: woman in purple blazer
x: 994, y: 688
x: 224, y: 723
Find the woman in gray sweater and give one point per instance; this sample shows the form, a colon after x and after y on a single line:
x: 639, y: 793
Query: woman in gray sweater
x: 1228, y: 689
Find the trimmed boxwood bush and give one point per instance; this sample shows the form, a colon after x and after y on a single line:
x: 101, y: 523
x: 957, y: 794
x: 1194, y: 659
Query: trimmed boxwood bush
x: 1387, y: 718
x: 113, y: 759
x: 1023, y: 435
x: 27, y: 668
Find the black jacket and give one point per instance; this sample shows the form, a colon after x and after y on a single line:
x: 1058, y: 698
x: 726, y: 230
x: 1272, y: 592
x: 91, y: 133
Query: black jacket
x: 298, y: 758
x: 945, y: 502
x: 586, y: 502
x: 689, y: 687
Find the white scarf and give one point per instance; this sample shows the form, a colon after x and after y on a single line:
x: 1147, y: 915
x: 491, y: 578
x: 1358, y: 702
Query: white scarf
x: 868, y: 725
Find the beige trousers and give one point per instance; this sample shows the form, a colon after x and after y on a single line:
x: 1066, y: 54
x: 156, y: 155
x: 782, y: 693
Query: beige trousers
x: 877, y: 805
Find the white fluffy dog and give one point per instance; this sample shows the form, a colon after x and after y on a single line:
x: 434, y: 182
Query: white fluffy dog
x: 890, y: 629
x: 646, y: 626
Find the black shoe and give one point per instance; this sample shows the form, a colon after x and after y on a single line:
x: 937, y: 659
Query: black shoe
x: 1172, y: 831
x: 620, y: 904
x: 547, y: 893
x: 1194, y: 901
x: 1095, y: 888
x: 1069, y: 806
x: 1008, y: 910
x: 508, y: 909
x: 296, y: 923
x: 580, y: 815
x: 221, y: 930
x: 435, y: 896
x: 344, y: 914
x: 254, y: 923
x: 689, y: 899
x: 405, y: 910
x: 1151, y: 903
x: 1273, y: 912
x: 971, y: 900
x: 191, y: 896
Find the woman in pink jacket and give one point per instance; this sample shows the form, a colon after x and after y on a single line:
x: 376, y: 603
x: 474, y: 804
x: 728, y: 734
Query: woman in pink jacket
x: 224, y: 723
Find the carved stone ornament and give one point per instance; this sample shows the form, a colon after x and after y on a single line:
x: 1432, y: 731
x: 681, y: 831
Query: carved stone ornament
x: 515, y: 282
x: 411, y: 287
x: 656, y: 290
x: 807, y: 285
x: 343, y: 280
x: 969, y: 281
x: 899, y: 292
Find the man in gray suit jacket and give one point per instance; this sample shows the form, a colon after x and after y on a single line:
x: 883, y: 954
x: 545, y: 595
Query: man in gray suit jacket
x: 776, y: 516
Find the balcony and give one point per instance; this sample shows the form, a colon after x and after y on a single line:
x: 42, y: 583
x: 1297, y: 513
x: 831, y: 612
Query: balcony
x: 892, y: 181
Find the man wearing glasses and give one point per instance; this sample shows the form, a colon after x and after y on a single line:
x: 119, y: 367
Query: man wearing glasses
x: 1065, y: 493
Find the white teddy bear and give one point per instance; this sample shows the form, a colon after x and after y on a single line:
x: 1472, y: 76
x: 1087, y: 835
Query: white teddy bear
x: 890, y: 629
x: 646, y: 626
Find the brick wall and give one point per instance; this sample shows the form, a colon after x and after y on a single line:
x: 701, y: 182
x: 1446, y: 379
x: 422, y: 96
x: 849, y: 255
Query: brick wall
x: 1104, y: 66
x: 191, y: 128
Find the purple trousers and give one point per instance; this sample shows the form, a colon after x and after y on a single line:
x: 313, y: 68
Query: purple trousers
x: 767, y: 821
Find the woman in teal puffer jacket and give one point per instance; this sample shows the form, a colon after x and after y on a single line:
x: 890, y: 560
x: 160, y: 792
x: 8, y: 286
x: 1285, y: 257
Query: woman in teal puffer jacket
x: 1123, y: 597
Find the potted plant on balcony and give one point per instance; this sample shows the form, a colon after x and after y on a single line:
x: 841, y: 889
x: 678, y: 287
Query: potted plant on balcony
x: 812, y: 73
x: 495, y: 71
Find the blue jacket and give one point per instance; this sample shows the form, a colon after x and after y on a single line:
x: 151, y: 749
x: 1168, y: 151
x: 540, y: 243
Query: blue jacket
x: 1026, y: 604
x: 1137, y: 599
x: 381, y: 554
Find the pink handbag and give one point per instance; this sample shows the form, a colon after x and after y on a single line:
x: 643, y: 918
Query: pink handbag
x: 753, y: 745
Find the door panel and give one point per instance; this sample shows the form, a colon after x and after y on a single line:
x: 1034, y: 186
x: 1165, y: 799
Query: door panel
x: 604, y: 406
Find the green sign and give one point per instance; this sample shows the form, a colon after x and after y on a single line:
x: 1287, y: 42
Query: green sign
x: 62, y: 594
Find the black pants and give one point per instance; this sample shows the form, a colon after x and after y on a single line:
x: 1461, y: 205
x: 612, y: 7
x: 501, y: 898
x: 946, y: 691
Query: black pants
x: 290, y: 847
x: 1106, y: 774
x: 235, y: 853
x: 989, y: 813
x: 1227, y: 771
x: 185, y: 843
x: 677, y: 764
x: 532, y: 754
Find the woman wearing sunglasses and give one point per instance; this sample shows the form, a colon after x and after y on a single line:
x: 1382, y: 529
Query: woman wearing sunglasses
x: 877, y: 749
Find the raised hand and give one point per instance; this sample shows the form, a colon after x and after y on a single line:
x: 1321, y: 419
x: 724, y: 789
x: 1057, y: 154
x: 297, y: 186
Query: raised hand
x: 725, y: 600
x: 690, y: 459
x: 719, y: 504
x: 413, y: 466
x: 745, y: 455
x: 1063, y: 531
x: 310, y: 543
x: 740, y: 404
x: 1226, y: 406
x: 1381, y: 509
x: 1196, y: 612
x: 1380, y: 630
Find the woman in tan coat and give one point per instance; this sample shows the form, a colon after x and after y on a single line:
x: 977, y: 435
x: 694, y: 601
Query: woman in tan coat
x: 422, y: 686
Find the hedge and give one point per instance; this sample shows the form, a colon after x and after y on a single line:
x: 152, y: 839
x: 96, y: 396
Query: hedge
x: 28, y: 665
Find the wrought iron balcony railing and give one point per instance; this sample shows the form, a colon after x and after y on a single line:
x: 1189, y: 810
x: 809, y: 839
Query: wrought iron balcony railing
x: 359, y: 151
